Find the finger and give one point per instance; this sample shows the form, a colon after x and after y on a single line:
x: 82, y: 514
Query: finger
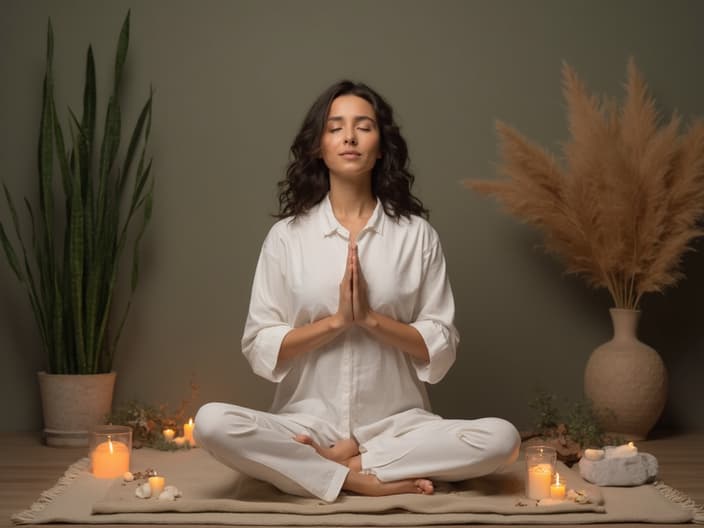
x: 348, y: 266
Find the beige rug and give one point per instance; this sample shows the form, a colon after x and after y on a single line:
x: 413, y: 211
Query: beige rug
x: 214, y: 494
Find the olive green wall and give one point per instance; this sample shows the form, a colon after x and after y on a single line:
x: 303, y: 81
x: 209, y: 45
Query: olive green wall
x: 233, y: 80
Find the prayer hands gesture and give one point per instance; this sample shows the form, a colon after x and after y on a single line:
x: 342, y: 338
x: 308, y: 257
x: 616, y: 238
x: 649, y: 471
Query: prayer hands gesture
x: 354, y: 302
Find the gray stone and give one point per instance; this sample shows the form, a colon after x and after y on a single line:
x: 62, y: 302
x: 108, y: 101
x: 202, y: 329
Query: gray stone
x: 623, y: 471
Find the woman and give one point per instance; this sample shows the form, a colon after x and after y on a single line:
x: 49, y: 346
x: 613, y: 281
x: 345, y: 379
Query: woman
x: 351, y: 313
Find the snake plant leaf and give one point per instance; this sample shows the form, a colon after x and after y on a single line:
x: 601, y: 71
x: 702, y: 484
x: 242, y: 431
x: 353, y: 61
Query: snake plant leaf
x: 89, y: 106
x: 76, y: 246
x: 121, y: 55
x: 10, y: 254
x: 61, y: 154
x: 144, y: 115
x: 111, y: 143
x: 148, y: 205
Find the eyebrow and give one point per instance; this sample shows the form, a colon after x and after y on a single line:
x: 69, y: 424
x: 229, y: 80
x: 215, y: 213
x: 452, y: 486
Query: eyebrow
x: 357, y: 119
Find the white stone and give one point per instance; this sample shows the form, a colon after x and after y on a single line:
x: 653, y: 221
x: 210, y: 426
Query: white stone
x: 128, y: 476
x: 173, y: 490
x: 143, y: 491
x: 167, y: 496
x: 622, y: 471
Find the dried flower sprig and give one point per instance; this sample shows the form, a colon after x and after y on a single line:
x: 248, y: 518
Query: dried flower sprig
x: 148, y: 421
x: 625, y: 206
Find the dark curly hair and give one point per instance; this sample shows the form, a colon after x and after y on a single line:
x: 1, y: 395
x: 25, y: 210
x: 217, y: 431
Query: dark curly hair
x: 307, y: 178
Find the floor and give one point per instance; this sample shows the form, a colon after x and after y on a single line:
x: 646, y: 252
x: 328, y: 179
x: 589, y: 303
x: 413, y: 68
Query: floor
x: 27, y: 468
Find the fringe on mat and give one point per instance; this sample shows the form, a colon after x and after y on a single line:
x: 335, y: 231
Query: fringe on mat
x: 45, y: 497
x: 682, y: 499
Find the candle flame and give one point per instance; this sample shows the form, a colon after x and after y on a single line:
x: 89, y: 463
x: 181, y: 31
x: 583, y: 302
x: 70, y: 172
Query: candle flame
x: 557, y: 479
x: 190, y: 421
x: 110, y: 445
x: 630, y: 444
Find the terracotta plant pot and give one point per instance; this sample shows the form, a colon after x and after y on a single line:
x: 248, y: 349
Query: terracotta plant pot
x: 626, y: 380
x: 73, y: 404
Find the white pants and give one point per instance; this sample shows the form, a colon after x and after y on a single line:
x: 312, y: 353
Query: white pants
x: 412, y: 444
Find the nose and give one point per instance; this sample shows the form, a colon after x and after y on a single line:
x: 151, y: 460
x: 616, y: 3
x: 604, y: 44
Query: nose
x: 350, y: 138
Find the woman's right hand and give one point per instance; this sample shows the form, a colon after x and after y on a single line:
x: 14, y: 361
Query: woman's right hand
x: 345, y: 314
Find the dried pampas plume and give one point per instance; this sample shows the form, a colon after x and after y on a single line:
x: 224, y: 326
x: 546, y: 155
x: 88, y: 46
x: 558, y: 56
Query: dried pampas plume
x: 624, y: 204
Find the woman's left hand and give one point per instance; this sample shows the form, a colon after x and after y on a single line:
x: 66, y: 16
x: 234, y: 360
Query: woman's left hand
x: 360, y: 300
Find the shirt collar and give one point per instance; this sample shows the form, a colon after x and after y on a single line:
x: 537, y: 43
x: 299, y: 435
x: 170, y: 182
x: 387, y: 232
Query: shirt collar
x: 330, y: 224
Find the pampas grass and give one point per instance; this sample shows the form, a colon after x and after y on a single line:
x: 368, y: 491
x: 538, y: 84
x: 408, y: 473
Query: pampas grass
x: 623, y: 206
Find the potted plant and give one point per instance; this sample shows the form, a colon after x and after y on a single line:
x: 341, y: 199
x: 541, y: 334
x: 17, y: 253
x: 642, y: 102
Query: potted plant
x: 79, y: 231
x: 620, y: 212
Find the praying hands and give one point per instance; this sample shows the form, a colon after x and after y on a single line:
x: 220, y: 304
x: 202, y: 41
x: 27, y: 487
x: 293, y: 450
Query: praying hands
x: 354, y: 301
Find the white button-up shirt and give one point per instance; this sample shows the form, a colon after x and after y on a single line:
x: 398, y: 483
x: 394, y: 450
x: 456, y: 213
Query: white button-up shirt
x: 354, y: 380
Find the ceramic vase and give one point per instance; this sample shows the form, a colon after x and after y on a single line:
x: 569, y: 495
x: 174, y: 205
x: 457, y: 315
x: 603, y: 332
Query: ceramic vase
x: 626, y: 380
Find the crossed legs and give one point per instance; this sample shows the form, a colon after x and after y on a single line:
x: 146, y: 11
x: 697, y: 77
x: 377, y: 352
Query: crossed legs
x: 403, y: 458
x: 346, y: 452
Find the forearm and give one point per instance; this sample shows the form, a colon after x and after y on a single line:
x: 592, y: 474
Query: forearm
x: 309, y: 337
x: 397, y: 334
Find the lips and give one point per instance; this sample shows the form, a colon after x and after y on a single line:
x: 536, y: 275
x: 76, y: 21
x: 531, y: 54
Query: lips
x: 350, y: 154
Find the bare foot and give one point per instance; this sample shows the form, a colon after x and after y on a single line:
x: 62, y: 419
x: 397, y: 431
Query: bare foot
x: 341, y: 451
x: 372, y: 486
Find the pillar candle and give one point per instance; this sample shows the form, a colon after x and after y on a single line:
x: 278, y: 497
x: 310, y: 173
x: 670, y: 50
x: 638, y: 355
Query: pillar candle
x: 110, y: 459
x: 539, y: 480
x: 188, y: 432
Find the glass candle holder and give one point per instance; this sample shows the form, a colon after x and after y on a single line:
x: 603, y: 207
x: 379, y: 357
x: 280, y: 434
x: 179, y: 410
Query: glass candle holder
x: 110, y: 450
x: 540, y: 467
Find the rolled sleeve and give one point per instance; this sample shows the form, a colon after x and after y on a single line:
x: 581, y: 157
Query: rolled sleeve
x: 435, y: 318
x: 442, y: 348
x: 267, y: 323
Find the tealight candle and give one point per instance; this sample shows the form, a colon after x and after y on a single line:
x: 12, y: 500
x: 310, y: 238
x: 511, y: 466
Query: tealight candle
x: 626, y: 450
x: 110, y: 459
x: 156, y: 483
x: 169, y: 434
x: 557, y: 490
x: 188, y: 432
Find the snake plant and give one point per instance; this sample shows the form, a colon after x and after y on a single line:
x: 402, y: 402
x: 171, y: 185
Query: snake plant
x: 81, y: 227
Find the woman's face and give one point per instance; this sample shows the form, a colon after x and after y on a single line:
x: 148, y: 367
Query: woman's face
x: 350, y: 143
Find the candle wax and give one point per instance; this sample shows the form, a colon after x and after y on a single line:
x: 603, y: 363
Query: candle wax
x: 156, y: 484
x: 557, y: 490
x: 110, y: 459
x: 188, y: 432
x: 539, y: 480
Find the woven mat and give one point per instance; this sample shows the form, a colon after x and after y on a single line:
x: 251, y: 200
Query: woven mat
x: 214, y: 494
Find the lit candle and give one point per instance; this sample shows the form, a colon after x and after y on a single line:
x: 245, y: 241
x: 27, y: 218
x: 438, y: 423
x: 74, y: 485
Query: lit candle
x: 188, y: 432
x: 539, y: 480
x: 156, y: 483
x: 169, y: 434
x: 110, y: 459
x: 557, y: 490
x: 626, y: 450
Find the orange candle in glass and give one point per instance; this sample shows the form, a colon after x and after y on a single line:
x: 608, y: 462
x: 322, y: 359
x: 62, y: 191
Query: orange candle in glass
x: 110, y: 459
x: 557, y: 490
